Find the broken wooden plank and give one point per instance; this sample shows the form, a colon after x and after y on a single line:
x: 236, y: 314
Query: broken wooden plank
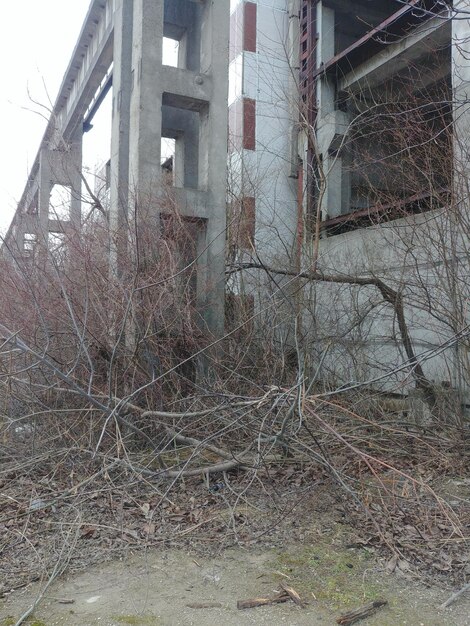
x: 294, y: 596
x: 254, y: 602
x: 364, y: 611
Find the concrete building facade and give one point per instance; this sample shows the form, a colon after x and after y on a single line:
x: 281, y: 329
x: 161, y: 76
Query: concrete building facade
x: 347, y: 132
x: 355, y: 117
x: 121, y: 48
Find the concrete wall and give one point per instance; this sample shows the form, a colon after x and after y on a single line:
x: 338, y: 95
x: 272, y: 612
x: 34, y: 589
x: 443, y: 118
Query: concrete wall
x: 262, y: 74
x: 424, y: 257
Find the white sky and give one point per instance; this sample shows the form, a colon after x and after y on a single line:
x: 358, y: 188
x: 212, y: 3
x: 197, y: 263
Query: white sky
x: 37, y: 38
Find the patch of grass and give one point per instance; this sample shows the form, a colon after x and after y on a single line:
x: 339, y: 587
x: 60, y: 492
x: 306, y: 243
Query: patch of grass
x: 136, y: 620
x: 334, y: 575
x: 11, y: 621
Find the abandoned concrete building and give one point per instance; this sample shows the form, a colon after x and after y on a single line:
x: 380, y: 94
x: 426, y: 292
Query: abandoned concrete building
x: 345, y: 149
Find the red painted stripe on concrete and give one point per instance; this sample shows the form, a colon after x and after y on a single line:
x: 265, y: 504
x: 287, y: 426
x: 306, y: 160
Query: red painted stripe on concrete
x: 249, y: 124
x: 249, y: 29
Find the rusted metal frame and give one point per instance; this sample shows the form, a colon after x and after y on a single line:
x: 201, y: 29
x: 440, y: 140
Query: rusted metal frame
x: 308, y: 43
x: 367, y: 37
x: 308, y: 62
x: 378, y: 209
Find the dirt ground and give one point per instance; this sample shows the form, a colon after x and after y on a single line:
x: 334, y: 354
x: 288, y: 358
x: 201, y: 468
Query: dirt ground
x: 175, y: 588
x: 134, y: 556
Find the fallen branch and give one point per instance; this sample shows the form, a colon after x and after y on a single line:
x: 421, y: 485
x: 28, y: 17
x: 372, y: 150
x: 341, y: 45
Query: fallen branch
x: 294, y: 596
x: 284, y: 594
x: 455, y: 596
x: 281, y: 596
x: 393, y: 297
x: 362, y: 612
x: 209, y: 469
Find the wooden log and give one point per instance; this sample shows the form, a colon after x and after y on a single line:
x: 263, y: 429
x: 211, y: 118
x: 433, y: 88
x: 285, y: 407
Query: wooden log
x: 360, y: 613
x: 254, y: 602
x: 294, y: 596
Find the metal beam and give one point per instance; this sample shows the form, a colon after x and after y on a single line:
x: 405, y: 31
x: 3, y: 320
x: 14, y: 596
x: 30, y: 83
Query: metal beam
x: 429, y: 37
x: 377, y: 31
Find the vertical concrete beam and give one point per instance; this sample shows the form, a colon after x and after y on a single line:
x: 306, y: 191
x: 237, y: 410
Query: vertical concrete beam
x: 151, y: 101
x: 207, y: 64
x: 332, y: 124
x: 461, y: 88
x: 146, y: 102
x: 325, y: 51
x: 214, y: 60
x: 122, y: 89
x: 59, y: 167
x: 461, y: 165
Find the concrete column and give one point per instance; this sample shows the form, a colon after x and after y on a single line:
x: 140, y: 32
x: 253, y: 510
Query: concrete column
x: 146, y: 103
x: 325, y: 52
x: 332, y: 124
x: 190, y: 104
x: 461, y: 89
x: 214, y: 59
x: 461, y: 128
x: 122, y: 88
x: 59, y: 167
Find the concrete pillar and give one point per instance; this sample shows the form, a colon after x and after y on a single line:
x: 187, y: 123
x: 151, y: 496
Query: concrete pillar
x: 146, y: 103
x: 119, y: 176
x: 59, y: 167
x: 325, y: 52
x: 190, y: 104
x: 332, y: 125
x: 214, y: 60
x: 461, y: 134
x: 461, y: 88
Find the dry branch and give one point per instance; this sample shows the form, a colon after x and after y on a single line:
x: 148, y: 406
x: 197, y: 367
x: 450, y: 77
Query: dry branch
x: 294, y: 596
x: 455, y: 596
x: 284, y: 594
x: 281, y: 596
x: 394, y: 298
x: 361, y: 613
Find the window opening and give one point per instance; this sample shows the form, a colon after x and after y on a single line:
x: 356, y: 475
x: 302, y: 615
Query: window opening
x: 60, y: 202
x: 171, y: 49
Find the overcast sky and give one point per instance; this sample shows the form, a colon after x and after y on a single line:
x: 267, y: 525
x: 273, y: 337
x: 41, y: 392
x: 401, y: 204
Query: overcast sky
x: 37, y: 38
